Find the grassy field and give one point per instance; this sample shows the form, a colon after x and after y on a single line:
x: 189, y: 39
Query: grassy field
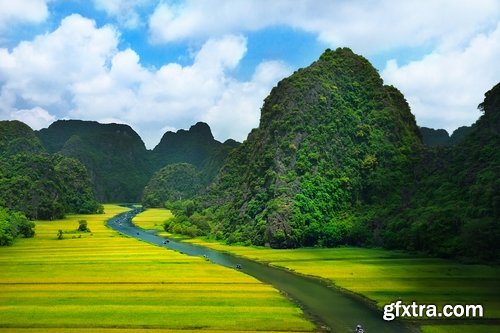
x: 385, y: 276
x: 152, y: 219
x: 103, y: 282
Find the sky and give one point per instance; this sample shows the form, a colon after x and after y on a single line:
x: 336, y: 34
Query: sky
x: 165, y: 65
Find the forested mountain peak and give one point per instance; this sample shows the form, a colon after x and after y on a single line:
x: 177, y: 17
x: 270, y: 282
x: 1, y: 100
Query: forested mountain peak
x: 55, y: 136
x: 114, y: 155
x: 16, y: 136
x: 440, y: 137
x: 199, y: 133
x: 330, y: 136
x: 196, y: 146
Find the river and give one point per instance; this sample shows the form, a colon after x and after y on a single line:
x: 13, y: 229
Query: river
x: 329, y: 307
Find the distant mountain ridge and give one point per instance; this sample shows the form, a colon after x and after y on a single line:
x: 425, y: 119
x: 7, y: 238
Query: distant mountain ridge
x: 440, y: 137
x: 117, y: 160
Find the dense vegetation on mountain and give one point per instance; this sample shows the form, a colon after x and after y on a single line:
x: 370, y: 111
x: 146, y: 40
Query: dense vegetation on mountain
x: 119, y: 164
x: 40, y: 185
x: 114, y: 155
x: 338, y: 159
x: 331, y: 136
x: 16, y: 137
x: 453, y: 207
x: 173, y: 182
x: 195, y: 146
x: 440, y: 137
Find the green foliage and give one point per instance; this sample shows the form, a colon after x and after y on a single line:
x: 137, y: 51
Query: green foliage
x: 44, y: 186
x: 195, y: 146
x: 40, y: 185
x: 188, y: 219
x: 173, y: 182
x: 12, y: 225
x: 450, y: 208
x: 113, y: 154
x: 16, y: 137
x: 83, y: 226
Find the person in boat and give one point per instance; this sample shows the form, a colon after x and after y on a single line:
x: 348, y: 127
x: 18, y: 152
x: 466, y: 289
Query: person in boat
x: 359, y: 329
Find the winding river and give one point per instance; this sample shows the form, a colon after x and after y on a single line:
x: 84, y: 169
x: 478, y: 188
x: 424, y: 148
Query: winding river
x: 329, y: 307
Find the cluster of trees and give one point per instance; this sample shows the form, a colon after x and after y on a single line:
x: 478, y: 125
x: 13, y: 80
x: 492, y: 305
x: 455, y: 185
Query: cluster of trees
x: 452, y: 207
x: 13, y: 225
x: 187, y: 220
x: 44, y: 186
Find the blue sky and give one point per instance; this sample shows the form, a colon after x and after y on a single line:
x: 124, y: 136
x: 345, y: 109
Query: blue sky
x: 164, y: 65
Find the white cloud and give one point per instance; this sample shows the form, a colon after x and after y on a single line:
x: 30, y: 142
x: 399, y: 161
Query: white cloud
x: 238, y: 108
x: 445, y: 87
x: 28, y: 11
x: 366, y: 26
x: 78, y: 71
x: 36, y: 117
x: 40, y: 72
x: 125, y: 11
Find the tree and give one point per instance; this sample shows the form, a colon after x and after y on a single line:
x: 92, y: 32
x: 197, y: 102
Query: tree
x: 82, y: 226
x: 12, y: 225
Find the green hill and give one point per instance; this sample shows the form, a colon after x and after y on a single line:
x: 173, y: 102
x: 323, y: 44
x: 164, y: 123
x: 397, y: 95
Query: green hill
x: 173, y: 182
x: 440, y: 137
x: 453, y: 206
x: 119, y: 164
x: 338, y: 159
x: 40, y: 185
x: 195, y: 146
x: 114, y: 155
x: 331, y: 137
x: 16, y: 137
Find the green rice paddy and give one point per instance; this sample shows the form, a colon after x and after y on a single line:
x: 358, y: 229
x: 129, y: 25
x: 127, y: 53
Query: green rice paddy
x: 103, y: 282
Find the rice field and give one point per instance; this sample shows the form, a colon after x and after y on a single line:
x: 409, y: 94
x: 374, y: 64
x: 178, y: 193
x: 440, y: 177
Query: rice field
x: 385, y: 276
x: 152, y: 219
x: 103, y: 282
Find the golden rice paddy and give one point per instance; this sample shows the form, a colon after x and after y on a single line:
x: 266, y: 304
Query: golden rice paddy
x: 104, y: 282
x: 152, y: 219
